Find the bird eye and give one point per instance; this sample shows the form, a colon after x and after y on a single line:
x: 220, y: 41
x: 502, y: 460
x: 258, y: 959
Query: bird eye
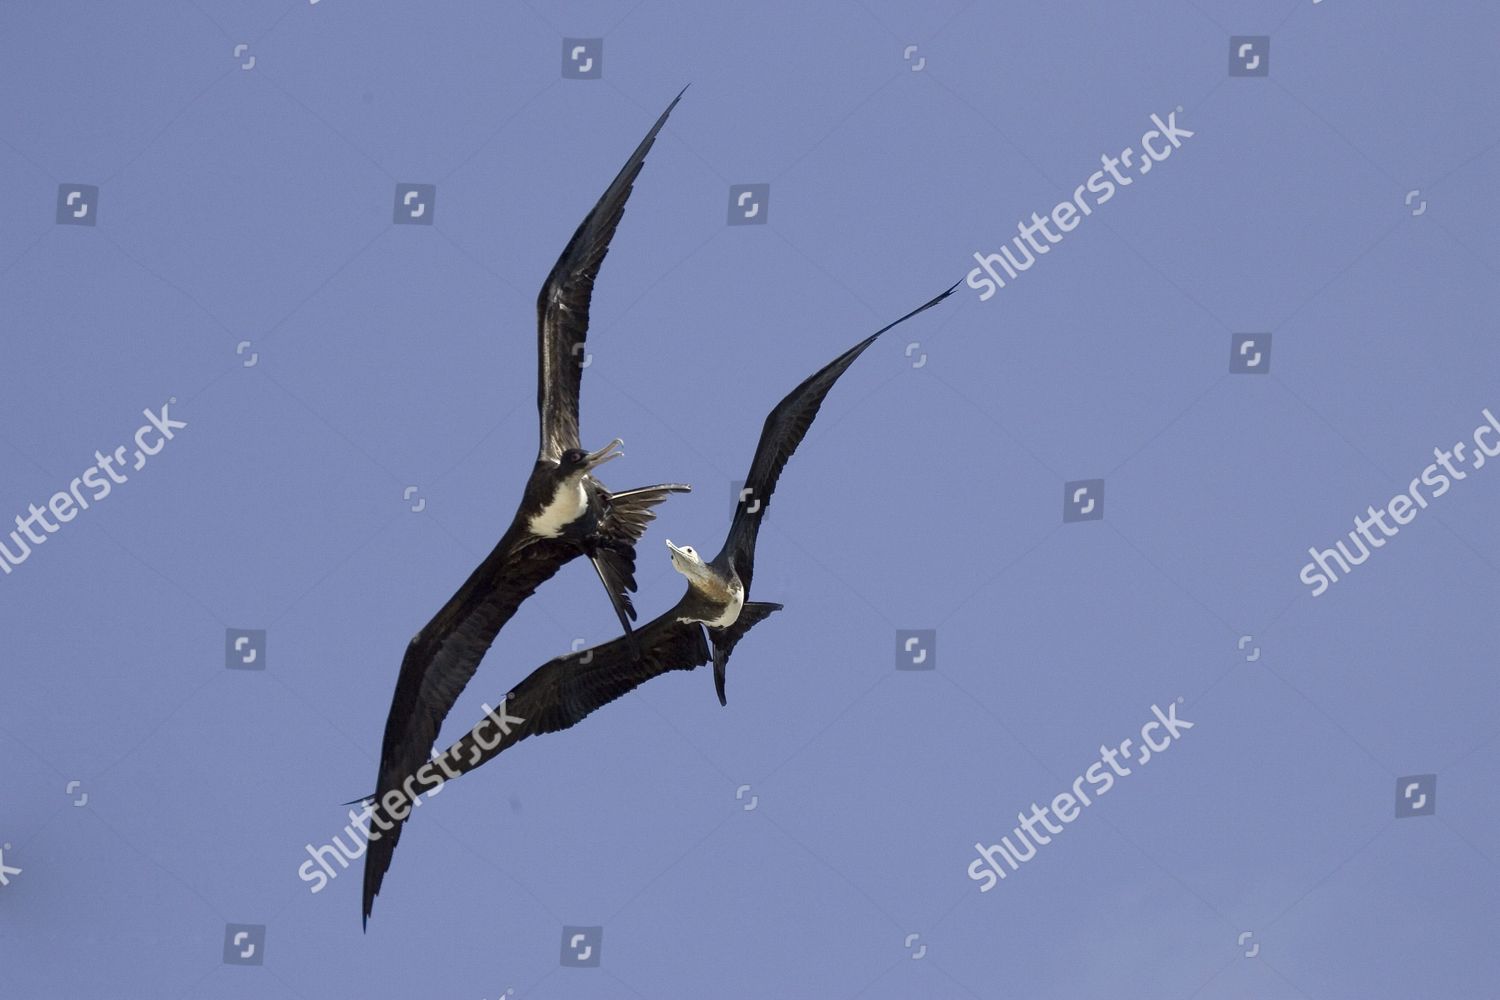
x: 572, y: 456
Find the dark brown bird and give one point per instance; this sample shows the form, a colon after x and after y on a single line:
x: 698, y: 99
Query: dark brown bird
x: 564, y: 512
x: 704, y: 626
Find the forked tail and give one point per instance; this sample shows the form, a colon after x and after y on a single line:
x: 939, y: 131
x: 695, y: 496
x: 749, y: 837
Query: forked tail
x: 725, y: 639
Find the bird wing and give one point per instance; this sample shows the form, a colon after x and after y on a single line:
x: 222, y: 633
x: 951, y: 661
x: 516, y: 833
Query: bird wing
x: 563, y: 305
x: 555, y: 696
x: 784, y: 430
x: 441, y: 659
x: 567, y: 689
x: 612, y: 554
x: 623, y: 520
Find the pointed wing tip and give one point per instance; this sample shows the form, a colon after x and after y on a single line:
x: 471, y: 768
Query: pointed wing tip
x: 623, y: 607
x: 942, y: 295
x: 921, y: 308
x: 662, y: 120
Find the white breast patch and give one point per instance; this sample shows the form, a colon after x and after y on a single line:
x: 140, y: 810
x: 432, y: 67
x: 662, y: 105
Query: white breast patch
x: 564, y: 509
x: 732, y: 610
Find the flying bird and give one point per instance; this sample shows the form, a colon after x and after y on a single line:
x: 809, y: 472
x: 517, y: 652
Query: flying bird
x: 718, y: 594
x: 713, y: 615
x: 564, y: 512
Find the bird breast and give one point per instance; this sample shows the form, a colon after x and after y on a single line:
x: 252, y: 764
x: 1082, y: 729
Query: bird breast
x: 566, y: 506
x: 731, y: 612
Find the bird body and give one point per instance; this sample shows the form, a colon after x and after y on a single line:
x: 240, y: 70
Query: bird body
x: 706, y: 623
x: 564, y: 512
x: 716, y: 594
x: 704, y: 626
x: 568, y: 502
x: 718, y: 590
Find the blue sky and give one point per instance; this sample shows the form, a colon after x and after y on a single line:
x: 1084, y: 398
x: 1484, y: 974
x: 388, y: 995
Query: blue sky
x: 237, y: 254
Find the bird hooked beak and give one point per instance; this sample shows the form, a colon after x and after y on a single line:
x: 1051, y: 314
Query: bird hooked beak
x: 594, y: 459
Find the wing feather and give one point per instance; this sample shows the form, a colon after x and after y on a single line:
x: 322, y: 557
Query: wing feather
x: 441, y: 659
x: 563, y: 305
x: 566, y: 690
x: 783, y: 431
x: 553, y: 697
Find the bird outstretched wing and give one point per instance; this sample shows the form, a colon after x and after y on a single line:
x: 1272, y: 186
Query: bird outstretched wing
x: 441, y: 659
x: 783, y: 431
x: 556, y: 696
x: 566, y: 690
x: 563, y: 305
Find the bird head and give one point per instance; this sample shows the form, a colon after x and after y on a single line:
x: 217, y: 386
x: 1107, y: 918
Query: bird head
x: 576, y: 461
x: 687, y: 561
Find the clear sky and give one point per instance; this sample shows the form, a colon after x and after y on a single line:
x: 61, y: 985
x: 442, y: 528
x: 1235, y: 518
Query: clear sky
x: 1265, y: 333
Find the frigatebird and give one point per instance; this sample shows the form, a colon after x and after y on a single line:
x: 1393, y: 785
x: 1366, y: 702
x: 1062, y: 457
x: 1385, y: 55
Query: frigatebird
x: 562, y: 692
x: 564, y: 512
x: 719, y: 590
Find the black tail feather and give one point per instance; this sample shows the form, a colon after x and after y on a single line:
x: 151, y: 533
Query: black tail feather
x: 725, y: 639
